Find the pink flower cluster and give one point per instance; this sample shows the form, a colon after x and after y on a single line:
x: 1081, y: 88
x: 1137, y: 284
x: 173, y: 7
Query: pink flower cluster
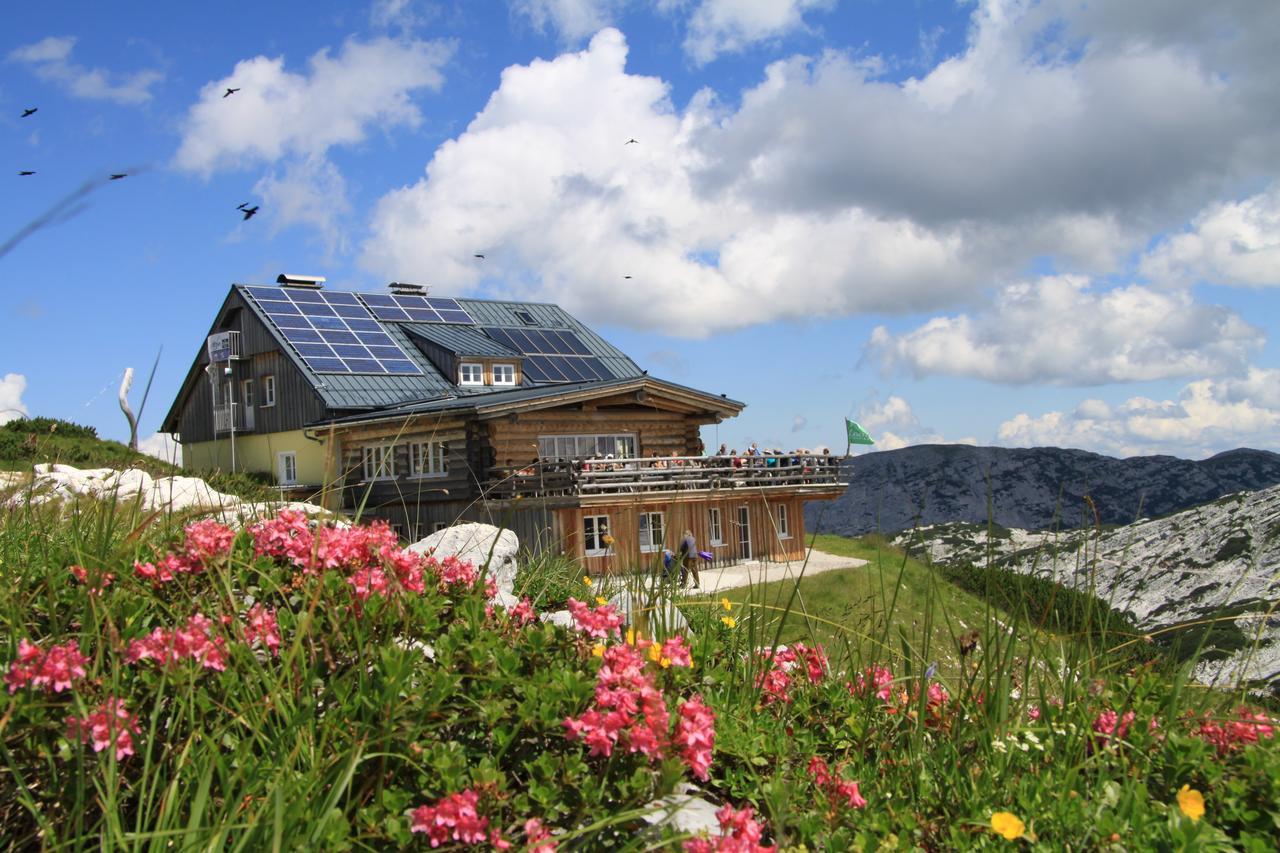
x: 452, y: 573
x: 1109, y: 724
x: 110, y: 724
x: 775, y: 681
x: 205, y: 543
x: 696, y: 736
x: 676, y: 652
x: 875, y: 678
x: 287, y: 536
x: 599, y: 622
x: 261, y: 626
x: 1247, y: 728
x: 537, y: 838
x: 52, y: 671
x: 197, y: 640
x: 97, y: 585
x: 523, y: 613
x: 838, y: 791
x: 452, y: 818
x: 739, y: 833
x: 628, y: 710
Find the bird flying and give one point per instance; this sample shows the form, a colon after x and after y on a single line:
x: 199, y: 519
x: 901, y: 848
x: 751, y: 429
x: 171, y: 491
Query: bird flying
x: 118, y: 175
x: 249, y: 212
x: 626, y: 276
x: 230, y: 92
x: 29, y: 111
x: 242, y: 206
x: 26, y: 173
x: 480, y: 256
x: 629, y: 141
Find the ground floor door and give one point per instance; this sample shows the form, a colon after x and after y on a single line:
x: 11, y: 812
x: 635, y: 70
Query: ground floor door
x: 744, y: 533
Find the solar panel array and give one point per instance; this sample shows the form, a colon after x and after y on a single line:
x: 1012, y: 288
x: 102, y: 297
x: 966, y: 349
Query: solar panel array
x: 551, y: 355
x: 407, y: 308
x: 332, y: 331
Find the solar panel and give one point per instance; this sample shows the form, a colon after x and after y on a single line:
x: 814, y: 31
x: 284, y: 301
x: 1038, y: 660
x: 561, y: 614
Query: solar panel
x: 408, y: 308
x: 551, y: 355
x: 333, y: 332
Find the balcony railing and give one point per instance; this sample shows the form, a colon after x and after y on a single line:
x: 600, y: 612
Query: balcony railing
x: 232, y: 415
x: 590, y: 477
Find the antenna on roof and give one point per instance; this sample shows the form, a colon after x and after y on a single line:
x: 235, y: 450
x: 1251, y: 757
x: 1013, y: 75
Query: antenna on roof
x: 315, y: 282
x: 404, y: 288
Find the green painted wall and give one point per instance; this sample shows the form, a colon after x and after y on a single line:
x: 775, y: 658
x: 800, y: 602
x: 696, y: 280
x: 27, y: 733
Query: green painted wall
x: 255, y: 452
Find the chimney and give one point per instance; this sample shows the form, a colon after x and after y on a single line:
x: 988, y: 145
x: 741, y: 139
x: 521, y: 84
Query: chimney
x: 311, y: 282
x: 404, y: 288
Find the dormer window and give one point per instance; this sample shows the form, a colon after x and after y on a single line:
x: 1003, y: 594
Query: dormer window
x: 526, y: 318
x: 470, y: 373
x: 504, y: 374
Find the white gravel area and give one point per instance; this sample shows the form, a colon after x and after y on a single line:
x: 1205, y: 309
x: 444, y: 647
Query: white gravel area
x: 749, y: 573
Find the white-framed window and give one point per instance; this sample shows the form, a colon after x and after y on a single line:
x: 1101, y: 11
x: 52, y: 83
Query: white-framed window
x: 379, y: 461
x: 246, y: 393
x: 784, y: 527
x: 470, y: 373
x: 504, y: 374
x: 587, y: 446
x: 268, y: 391
x: 438, y: 526
x: 595, y: 535
x: 287, y: 468
x: 428, y: 458
x: 652, y: 533
x: 716, y: 525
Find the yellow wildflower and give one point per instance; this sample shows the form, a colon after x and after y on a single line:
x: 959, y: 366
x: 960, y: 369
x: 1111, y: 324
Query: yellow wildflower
x: 1007, y: 825
x: 726, y: 604
x: 631, y: 636
x: 665, y: 663
x: 1191, y: 802
x: 606, y: 539
x: 655, y: 652
x: 729, y: 621
x: 598, y: 650
x: 586, y: 579
x: 601, y: 600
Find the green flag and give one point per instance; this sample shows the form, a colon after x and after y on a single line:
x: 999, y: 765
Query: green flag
x: 857, y: 435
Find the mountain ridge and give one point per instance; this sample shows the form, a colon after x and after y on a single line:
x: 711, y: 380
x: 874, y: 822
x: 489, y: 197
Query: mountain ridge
x: 1036, y: 488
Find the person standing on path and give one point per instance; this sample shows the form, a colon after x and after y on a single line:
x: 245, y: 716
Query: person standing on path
x: 688, y: 555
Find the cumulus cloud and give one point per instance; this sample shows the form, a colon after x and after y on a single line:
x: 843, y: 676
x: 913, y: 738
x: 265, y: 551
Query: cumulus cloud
x: 161, y: 446
x: 50, y: 60
x: 309, y: 191
x: 1235, y: 243
x: 1060, y: 330
x: 827, y: 189
x: 728, y: 26
x: 280, y: 113
x: 573, y: 20
x: 1209, y: 416
x: 11, y: 406
x: 893, y: 424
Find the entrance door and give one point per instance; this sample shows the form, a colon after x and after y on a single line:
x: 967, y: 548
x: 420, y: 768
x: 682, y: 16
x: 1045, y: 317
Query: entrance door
x: 744, y: 533
x: 248, y: 404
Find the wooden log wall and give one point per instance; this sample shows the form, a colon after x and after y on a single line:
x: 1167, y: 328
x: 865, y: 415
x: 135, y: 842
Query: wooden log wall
x: 403, y: 490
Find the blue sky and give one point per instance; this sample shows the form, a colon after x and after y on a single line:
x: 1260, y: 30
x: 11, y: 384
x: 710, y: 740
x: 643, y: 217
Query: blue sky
x: 1052, y: 223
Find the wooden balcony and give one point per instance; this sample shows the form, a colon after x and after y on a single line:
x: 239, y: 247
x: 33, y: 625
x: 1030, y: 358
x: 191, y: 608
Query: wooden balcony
x: 585, y: 478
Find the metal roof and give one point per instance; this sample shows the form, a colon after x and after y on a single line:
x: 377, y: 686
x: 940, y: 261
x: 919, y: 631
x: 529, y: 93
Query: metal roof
x: 357, y: 392
x: 461, y: 340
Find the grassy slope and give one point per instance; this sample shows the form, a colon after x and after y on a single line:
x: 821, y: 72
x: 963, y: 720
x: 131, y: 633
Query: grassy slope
x: 32, y: 441
x: 873, y: 609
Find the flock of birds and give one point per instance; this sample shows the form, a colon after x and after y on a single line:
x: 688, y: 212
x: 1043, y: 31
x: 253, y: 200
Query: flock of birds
x: 117, y: 176
x: 244, y: 208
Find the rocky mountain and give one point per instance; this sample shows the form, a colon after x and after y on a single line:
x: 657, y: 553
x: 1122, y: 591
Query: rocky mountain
x: 1033, y: 489
x: 1216, y: 564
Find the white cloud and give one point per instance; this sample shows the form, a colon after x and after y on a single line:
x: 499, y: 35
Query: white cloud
x: 50, y: 60
x: 162, y: 446
x: 798, y: 423
x: 729, y: 26
x: 573, y: 20
x: 402, y: 14
x: 309, y: 191
x: 11, y: 406
x: 827, y: 190
x: 1058, y: 329
x: 1209, y: 416
x: 1235, y: 243
x: 893, y: 424
x: 279, y: 113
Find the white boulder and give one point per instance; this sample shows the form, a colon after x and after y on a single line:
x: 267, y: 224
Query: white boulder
x: 482, y: 545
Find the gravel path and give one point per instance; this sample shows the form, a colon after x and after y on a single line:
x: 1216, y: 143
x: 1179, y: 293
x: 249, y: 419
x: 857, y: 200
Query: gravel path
x: 746, y: 574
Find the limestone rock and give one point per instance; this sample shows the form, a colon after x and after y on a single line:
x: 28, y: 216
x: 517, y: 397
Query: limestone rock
x: 475, y: 543
x: 682, y: 811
